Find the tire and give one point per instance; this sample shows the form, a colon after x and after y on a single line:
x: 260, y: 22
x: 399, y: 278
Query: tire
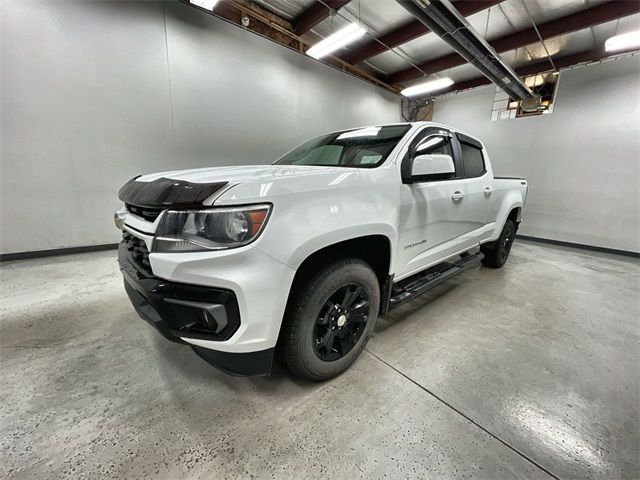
x: 496, y: 255
x: 327, y: 323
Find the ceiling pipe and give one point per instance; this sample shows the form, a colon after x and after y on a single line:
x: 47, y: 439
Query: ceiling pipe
x: 409, y: 31
x: 442, y: 18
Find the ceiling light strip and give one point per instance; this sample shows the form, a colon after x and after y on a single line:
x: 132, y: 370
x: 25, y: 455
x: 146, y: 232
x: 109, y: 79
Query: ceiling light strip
x: 427, y: 87
x: 337, y: 40
x: 624, y: 41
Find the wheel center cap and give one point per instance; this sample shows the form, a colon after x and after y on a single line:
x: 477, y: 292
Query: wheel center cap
x: 342, y: 320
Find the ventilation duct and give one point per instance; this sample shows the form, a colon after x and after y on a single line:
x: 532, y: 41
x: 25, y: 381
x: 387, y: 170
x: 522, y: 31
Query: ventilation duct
x: 442, y: 18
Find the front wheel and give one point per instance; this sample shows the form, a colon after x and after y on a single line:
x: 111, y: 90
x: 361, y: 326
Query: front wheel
x: 329, y: 319
x: 496, y: 255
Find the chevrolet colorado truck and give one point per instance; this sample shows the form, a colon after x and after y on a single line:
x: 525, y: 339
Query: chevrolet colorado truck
x: 299, y: 257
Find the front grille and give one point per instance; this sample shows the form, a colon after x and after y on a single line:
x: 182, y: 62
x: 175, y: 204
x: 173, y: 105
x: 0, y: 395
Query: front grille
x: 137, y: 252
x: 149, y: 214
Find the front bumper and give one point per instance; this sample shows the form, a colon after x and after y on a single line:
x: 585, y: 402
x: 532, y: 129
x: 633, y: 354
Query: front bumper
x: 187, y: 313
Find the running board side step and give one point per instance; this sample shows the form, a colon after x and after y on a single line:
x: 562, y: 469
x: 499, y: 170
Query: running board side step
x: 409, y: 288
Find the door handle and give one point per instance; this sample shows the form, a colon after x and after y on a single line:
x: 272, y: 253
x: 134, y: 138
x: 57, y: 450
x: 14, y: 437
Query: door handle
x: 457, y: 195
x: 488, y: 191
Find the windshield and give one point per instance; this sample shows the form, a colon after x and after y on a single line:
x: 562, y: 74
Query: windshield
x: 361, y: 148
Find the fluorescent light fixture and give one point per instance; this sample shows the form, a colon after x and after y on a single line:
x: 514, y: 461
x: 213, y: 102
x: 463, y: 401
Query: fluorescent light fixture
x: 427, y: 87
x: 206, y: 4
x: 624, y: 41
x: 362, y: 132
x: 336, y: 40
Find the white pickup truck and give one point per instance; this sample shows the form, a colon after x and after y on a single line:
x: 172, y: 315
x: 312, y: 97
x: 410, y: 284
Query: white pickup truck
x: 301, y: 256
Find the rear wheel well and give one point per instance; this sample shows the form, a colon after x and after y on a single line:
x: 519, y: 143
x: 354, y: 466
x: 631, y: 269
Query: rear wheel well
x: 375, y: 250
x: 514, y: 215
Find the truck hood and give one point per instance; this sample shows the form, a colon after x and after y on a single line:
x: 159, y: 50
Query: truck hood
x: 231, y: 185
x: 239, y: 174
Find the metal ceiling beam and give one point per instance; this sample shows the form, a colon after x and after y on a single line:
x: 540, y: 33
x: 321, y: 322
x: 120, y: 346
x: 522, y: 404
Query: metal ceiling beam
x: 316, y: 13
x: 589, y: 17
x: 587, y: 56
x: 409, y: 31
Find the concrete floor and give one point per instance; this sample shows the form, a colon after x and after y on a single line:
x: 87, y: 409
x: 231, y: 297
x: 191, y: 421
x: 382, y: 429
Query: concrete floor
x: 526, y: 372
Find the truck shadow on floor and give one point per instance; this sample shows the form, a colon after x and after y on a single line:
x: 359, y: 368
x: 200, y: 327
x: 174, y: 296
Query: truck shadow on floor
x: 182, y: 362
x: 416, y: 304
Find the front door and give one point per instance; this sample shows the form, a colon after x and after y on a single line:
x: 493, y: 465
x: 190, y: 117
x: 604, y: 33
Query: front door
x: 431, y: 212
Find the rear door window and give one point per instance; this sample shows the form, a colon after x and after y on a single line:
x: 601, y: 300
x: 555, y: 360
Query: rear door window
x: 472, y: 160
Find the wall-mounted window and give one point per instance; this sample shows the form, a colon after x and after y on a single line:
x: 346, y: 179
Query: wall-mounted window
x: 543, y: 84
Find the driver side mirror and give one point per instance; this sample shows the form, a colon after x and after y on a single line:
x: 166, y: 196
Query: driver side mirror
x: 432, y: 167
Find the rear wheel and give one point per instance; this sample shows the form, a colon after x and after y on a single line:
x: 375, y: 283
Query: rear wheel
x: 496, y: 255
x: 329, y: 319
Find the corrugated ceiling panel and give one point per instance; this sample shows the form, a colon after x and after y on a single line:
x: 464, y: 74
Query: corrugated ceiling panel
x: 288, y: 9
x: 557, y: 47
x: 378, y: 16
x: 541, y: 10
x: 331, y: 24
x: 607, y: 30
x: 387, y: 62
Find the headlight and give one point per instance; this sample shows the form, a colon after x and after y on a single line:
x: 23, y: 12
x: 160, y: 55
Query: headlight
x: 214, y: 229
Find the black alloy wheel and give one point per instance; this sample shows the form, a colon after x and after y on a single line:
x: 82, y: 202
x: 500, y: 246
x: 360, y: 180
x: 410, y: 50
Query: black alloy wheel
x: 496, y: 253
x: 341, y: 322
x: 330, y: 316
x: 505, y: 245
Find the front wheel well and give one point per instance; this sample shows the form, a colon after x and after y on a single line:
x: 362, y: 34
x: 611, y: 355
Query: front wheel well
x: 375, y: 250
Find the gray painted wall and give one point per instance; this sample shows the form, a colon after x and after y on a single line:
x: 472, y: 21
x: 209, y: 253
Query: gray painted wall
x: 582, y: 161
x: 94, y: 93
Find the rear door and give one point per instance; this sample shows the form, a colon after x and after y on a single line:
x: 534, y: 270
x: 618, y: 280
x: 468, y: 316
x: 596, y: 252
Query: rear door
x: 478, y: 187
x: 431, y: 219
